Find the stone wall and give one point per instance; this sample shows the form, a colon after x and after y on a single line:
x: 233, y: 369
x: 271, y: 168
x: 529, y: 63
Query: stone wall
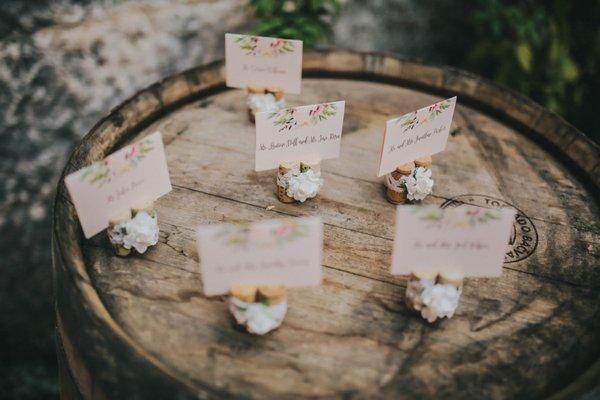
x: 63, y: 65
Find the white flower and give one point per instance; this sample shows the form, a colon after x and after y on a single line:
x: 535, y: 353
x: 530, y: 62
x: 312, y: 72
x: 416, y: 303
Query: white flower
x: 433, y: 300
x: 264, y: 102
x: 116, y: 233
x: 418, y: 184
x: 303, y: 185
x: 440, y: 301
x: 141, y: 232
x: 258, y: 318
x: 414, y: 289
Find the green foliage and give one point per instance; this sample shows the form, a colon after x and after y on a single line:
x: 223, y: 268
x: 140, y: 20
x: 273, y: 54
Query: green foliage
x: 547, y: 50
x: 306, y: 20
x: 28, y: 381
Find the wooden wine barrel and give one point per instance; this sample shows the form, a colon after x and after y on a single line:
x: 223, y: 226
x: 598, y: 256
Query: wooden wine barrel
x: 140, y: 327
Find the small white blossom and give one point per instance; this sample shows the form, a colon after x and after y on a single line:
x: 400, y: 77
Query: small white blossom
x: 433, y: 300
x: 264, y: 102
x: 414, y: 289
x: 258, y: 318
x: 418, y: 184
x: 440, y: 300
x: 141, y: 232
x: 303, y: 185
x: 116, y: 233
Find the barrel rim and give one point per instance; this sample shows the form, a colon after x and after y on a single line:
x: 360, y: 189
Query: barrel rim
x: 172, y: 92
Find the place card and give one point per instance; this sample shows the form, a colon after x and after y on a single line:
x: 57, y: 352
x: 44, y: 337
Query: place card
x: 263, y: 61
x: 467, y: 239
x: 138, y: 171
x: 417, y: 134
x: 298, y: 133
x: 273, y: 252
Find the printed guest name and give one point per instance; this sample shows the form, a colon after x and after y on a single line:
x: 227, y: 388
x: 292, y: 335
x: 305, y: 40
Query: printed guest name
x: 406, y: 142
x: 263, y: 70
x: 264, y: 265
x: 295, y: 142
x: 450, y: 245
x: 119, y: 193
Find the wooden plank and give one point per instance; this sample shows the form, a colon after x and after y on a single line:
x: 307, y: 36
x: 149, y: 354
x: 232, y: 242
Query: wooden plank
x: 214, y: 153
x: 159, y: 301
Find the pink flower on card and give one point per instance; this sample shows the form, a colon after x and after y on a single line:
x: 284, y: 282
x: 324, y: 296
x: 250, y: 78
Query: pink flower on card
x: 316, y: 111
x: 277, y: 44
x: 290, y: 119
x: 282, y: 230
x: 132, y: 153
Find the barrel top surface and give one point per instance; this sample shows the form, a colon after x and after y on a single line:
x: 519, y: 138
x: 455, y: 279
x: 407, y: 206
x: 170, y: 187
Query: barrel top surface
x: 531, y: 333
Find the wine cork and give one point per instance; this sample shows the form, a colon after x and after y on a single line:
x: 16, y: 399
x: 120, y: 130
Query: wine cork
x: 403, y: 170
x: 272, y: 294
x: 429, y: 275
x: 454, y: 278
x: 399, y: 197
x: 119, y: 217
x: 245, y: 293
x: 277, y: 92
x: 121, y: 251
x: 395, y: 197
x: 143, y: 205
x: 256, y: 89
x: 116, y: 219
x: 284, y: 168
x: 413, y: 291
x: 282, y: 195
x: 424, y: 162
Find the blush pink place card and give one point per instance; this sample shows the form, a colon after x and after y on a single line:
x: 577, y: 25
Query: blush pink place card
x: 298, y: 133
x: 273, y: 252
x: 133, y: 173
x: 417, y: 134
x: 263, y: 61
x: 469, y: 239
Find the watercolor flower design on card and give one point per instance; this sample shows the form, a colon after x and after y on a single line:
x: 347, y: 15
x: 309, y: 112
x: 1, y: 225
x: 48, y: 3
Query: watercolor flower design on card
x: 242, y: 236
x: 96, y: 174
x: 288, y: 232
x: 470, y: 217
x: 234, y: 235
x: 428, y: 114
x: 254, y: 46
x: 285, y: 119
x: 291, y: 118
x: 138, y: 152
x: 102, y: 172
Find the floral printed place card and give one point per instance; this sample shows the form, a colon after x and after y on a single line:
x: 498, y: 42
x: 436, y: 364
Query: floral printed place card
x: 468, y: 239
x: 298, y: 133
x: 138, y: 171
x: 263, y: 61
x: 417, y: 134
x: 272, y: 252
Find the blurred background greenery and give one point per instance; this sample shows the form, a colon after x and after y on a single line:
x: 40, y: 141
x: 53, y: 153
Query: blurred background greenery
x: 548, y: 50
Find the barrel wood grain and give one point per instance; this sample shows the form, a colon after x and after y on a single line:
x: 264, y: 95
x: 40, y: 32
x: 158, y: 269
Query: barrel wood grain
x: 140, y: 327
